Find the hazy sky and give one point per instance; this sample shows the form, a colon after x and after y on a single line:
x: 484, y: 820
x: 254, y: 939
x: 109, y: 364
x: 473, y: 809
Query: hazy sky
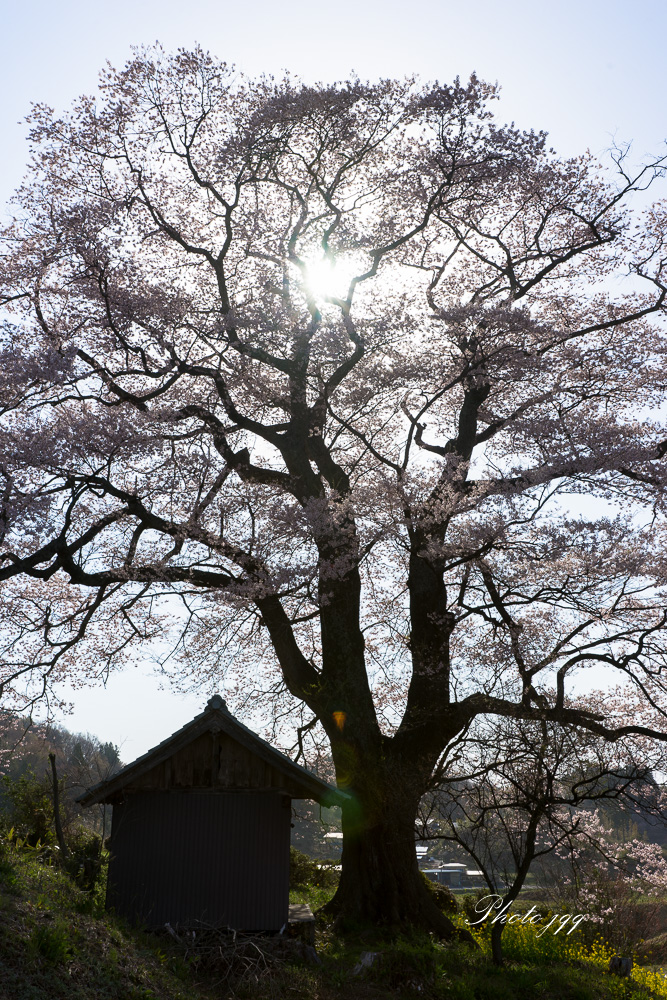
x: 589, y: 72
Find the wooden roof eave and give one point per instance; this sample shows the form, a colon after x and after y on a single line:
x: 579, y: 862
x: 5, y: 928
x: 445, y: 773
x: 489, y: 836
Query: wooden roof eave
x: 216, y: 720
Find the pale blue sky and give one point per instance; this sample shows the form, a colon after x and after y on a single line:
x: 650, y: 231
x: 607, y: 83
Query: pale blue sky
x: 587, y: 72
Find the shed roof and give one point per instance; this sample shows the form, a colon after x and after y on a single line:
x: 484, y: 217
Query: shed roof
x: 216, y: 718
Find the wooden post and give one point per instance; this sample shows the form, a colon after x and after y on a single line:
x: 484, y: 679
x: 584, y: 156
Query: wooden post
x: 56, y: 808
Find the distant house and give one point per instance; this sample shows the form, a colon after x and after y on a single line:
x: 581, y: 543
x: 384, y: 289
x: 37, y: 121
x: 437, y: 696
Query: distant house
x: 201, y: 827
x: 422, y: 852
x: 455, y: 875
x: 334, y: 844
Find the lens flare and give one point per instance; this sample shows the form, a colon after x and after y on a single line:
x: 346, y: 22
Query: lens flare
x: 339, y: 719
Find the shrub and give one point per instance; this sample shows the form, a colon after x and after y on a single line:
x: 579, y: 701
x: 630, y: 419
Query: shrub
x: 28, y: 808
x: 443, y: 898
x: 303, y: 871
x: 85, y: 861
x: 470, y: 901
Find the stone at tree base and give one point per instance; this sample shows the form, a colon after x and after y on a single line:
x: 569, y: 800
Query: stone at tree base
x: 620, y: 966
x: 310, y: 955
x: 366, y: 961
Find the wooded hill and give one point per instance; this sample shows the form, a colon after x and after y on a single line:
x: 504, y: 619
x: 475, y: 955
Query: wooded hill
x: 26, y: 777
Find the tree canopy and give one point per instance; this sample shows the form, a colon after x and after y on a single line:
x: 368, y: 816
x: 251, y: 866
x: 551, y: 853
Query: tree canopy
x: 350, y: 381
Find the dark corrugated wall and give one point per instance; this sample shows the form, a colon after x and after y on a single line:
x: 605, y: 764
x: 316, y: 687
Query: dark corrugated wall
x: 188, y: 857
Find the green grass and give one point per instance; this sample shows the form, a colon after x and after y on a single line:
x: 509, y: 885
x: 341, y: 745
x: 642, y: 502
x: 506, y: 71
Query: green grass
x: 56, y: 944
x: 416, y: 967
x: 315, y: 896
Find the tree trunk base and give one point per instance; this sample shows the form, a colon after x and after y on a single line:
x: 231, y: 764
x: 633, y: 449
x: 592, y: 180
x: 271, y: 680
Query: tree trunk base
x: 381, y: 887
x: 355, y: 913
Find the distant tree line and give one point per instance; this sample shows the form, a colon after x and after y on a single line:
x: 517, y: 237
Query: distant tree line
x: 43, y: 769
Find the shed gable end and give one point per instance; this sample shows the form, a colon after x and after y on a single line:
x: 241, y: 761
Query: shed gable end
x: 214, y: 760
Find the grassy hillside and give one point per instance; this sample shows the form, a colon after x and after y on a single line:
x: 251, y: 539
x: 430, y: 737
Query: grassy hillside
x: 52, y: 945
x: 56, y: 943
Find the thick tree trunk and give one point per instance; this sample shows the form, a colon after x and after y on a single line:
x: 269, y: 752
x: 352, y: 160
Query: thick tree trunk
x: 380, y: 883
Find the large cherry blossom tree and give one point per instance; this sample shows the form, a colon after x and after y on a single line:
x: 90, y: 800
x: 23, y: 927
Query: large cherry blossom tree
x: 349, y: 384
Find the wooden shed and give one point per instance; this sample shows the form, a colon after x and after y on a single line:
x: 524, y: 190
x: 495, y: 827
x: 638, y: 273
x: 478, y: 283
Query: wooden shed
x: 201, y: 827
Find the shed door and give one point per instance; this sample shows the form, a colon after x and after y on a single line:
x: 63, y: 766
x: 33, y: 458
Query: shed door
x: 190, y: 857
